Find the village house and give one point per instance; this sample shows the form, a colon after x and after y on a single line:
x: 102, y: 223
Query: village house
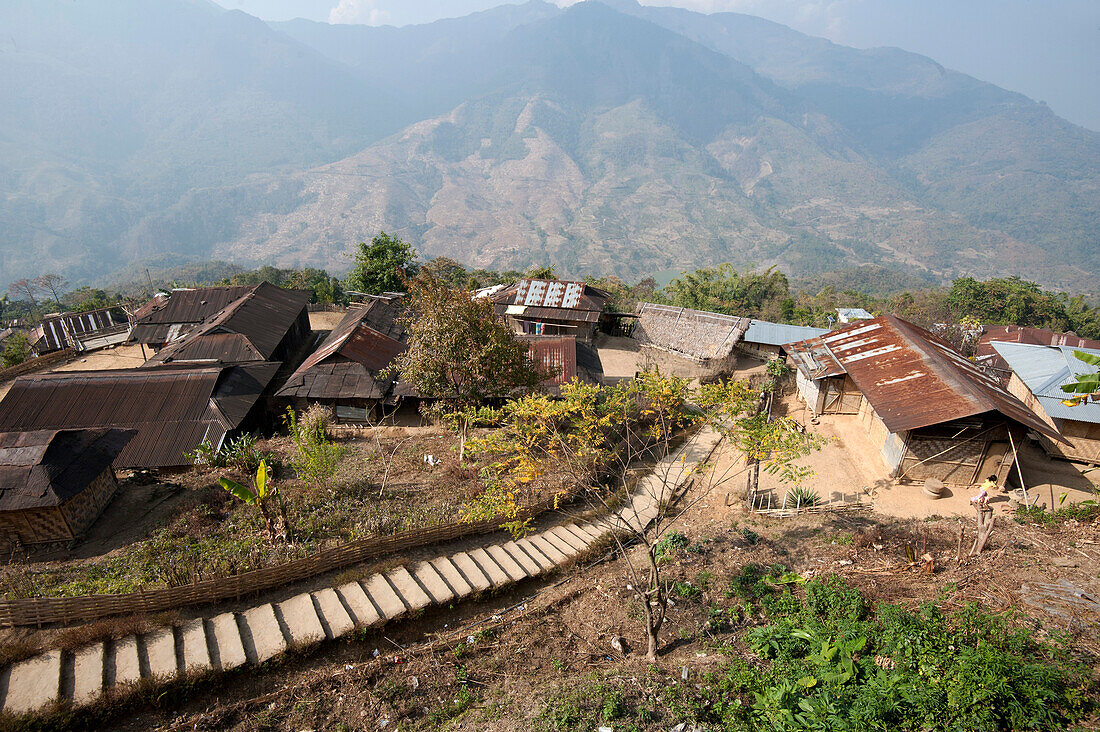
x: 347, y: 371
x: 766, y: 340
x: 551, y: 307
x: 266, y: 323
x: 1037, y: 376
x: 930, y: 412
x: 83, y: 331
x: 54, y: 484
x: 172, y: 408
x: 169, y: 315
x: 988, y: 358
x: 709, y: 339
x: 852, y: 315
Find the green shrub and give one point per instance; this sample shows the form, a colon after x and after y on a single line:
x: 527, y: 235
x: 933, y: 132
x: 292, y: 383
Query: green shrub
x: 669, y: 545
x: 581, y: 708
x: 831, y: 597
x: 834, y: 666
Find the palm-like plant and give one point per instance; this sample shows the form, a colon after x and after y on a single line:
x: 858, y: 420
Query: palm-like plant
x: 1086, y: 385
x: 259, y: 494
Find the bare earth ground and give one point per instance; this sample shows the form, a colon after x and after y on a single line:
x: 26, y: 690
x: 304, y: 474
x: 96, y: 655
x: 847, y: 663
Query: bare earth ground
x: 496, y: 664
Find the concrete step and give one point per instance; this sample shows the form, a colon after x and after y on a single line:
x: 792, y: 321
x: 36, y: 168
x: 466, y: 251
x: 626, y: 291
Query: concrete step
x: 497, y: 576
x: 88, y: 673
x: 430, y: 579
x: 520, y: 557
x: 160, y: 649
x: 229, y: 641
x: 588, y: 530
x: 227, y: 646
x: 471, y: 572
x: 510, y: 566
x: 544, y: 563
x: 192, y: 645
x: 407, y: 589
x: 125, y: 665
x: 34, y: 683
x: 562, y: 546
x: 260, y: 632
x: 387, y: 601
x: 453, y: 576
x: 570, y: 538
x: 548, y: 550
x: 333, y: 615
x: 360, y: 607
x: 300, y: 619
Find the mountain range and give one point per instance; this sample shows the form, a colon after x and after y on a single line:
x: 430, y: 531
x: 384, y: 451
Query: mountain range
x: 603, y: 138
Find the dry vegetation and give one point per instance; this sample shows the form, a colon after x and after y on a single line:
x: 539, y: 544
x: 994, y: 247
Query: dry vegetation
x: 540, y: 657
x: 204, y: 532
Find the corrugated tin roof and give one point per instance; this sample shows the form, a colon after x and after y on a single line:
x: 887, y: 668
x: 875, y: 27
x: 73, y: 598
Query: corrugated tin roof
x: 45, y: 468
x: 913, y: 379
x: 1044, y: 369
x: 173, y: 408
x: 530, y: 312
x: 248, y: 329
x: 188, y: 305
x: 347, y: 363
x: 848, y: 315
x: 556, y: 354
x: 779, y: 334
x: 987, y: 356
x: 557, y: 294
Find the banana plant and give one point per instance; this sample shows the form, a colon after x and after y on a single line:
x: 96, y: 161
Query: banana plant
x: 263, y: 488
x: 1086, y: 385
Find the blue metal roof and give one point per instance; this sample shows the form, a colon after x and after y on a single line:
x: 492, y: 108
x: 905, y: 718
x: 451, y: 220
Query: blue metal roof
x: 1044, y: 369
x: 779, y: 334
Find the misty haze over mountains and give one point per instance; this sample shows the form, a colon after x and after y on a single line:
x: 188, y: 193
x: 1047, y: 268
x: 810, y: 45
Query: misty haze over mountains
x: 603, y: 138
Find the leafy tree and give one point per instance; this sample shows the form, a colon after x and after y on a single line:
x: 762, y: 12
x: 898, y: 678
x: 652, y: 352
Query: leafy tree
x: 449, y: 272
x: 458, y: 352
x: 723, y: 289
x: 545, y: 272
x: 384, y: 265
x: 17, y: 349
x: 594, y: 435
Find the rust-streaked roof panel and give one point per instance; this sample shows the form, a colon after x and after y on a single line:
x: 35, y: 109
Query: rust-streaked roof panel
x: 347, y: 364
x: 173, y: 409
x: 914, y: 379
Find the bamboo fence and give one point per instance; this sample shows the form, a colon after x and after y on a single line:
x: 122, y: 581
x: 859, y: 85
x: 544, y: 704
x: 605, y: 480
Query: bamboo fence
x: 36, y: 364
x: 39, y: 611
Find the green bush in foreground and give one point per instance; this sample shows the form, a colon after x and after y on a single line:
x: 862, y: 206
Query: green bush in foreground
x: 829, y: 665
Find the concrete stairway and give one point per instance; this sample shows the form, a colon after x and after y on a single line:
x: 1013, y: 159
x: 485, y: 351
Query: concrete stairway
x: 262, y: 632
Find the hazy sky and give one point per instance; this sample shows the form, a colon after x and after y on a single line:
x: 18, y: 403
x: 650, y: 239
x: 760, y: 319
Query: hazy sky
x: 1047, y: 49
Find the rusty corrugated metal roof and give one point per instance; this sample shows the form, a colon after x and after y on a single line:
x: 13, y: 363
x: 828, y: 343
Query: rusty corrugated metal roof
x: 348, y: 362
x: 173, y: 408
x: 248, y: 329
x: 913, y: 379
x: 556, y: 354
x: 45, y: 468
x: 187, y: 305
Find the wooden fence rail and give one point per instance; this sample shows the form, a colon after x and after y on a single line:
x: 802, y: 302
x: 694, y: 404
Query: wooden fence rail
x: 36, y: 364
x: 39, y: 611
